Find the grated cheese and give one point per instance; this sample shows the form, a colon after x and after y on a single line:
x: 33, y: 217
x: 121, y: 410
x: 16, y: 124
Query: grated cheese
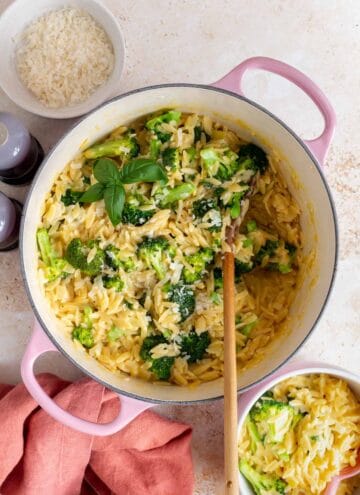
x: 64, y: 56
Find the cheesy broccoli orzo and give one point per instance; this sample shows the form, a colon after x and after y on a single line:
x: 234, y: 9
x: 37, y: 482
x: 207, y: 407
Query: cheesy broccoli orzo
x: 130, y: 247
x: 301, y: 434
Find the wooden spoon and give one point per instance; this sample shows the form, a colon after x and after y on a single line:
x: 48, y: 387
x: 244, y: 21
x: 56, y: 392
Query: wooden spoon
x: 230, y: 368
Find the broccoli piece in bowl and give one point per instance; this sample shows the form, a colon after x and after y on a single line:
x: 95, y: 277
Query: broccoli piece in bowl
x: 166, y: 197
x: 124, y: 146
x: 133, y: 215
x: 208, y: 212
x: 221, y: 164
x: 201, y: 206
x: 148, y: 343
x: 262, y: 484
x: 114, y: 282
x: 71, y: 197
x: 273, y: 419
x: 77, y: 255
x: 171, y: 158
x: 193, y: 346
x: 83, y: 332
x: 161, y: 367
x: 251, y: 157
x: 116, y: 259
x: 198, y: 263
x: 155, y: 251
x: 242, y: 267
x: 184, y: 297
x: 155, y: 124
x: 54, y: 265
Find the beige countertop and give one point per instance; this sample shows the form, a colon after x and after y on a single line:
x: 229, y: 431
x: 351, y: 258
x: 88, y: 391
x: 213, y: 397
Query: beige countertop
x: 188, y: 41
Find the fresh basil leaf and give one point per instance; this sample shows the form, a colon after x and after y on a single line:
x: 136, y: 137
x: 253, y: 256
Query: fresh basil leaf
x: 94, y: 193
x: 106, y: 171
x: 114, y: 197
x: 142, y: 170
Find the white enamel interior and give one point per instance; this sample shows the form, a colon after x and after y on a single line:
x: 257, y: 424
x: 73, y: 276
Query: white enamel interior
x: 319, y: 226
x: 249, y: 399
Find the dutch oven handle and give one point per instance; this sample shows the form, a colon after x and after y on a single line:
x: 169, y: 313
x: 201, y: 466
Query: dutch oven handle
x: 232, y: 82
x: 39, y: 344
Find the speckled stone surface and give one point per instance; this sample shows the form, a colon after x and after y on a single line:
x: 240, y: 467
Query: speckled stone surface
x: 188, y: 41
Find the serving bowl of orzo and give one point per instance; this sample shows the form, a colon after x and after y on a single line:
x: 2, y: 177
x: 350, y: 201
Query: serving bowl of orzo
x: 298, y: 430
x: 123, y: 232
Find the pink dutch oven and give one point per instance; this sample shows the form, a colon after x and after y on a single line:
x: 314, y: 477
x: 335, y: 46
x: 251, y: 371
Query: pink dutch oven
x: 223, y: 100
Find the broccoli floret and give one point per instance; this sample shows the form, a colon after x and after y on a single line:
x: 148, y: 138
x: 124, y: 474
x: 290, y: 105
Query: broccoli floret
x: 221, y: 164
x: 251, y: 226
x: 193, y: 346
x: 115, y: 259
x: 201, y: 206
x: 263, y: 484
x: 266, y: 251
x: 255, y: 438
x: 148, y: 343
x: 207, y: 210
x: 191, y: 153
x: 273, y: 419
x: 167, y: 117
x: 218, y: 278
x: 113, y: 283
x: 124, y: 146
x: 197, y: 133
x: 246, y: 329
x: 54, y: 265
x: 251, y: 157
x: 184, y: 297
x: 83, y: 333
x: 212, y: 219
x: 242, y: 267
x: 77, y: 252
x: 154, y: 149
x: 247, y: 242
x: 135, y: 216
x: 166, y: 196
x: 234, y: 204
x: 171, y: 158
x: 291, y: 250
x: 71, y: 197
x: 155, y: 124
x: 161, y: 367
x: 154, y: 251
x: 114, y: 333
x: 198, y: 262
x: 84, y: 336
x: 282, y: 261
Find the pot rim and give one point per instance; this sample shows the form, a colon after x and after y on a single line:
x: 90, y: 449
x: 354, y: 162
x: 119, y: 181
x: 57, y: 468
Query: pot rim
x: 143, y: 90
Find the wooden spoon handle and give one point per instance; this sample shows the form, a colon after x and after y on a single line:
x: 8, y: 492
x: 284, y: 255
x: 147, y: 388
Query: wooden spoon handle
x: 230, y: 379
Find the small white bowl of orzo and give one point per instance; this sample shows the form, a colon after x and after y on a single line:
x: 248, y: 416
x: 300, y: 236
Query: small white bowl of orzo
x: 299, y: 430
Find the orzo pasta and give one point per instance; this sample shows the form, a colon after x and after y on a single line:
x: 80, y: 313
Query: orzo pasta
x: 130, y: 247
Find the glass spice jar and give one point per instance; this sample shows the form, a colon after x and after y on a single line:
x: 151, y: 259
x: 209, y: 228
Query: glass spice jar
x: 20, y: 152
x: 10, y: 215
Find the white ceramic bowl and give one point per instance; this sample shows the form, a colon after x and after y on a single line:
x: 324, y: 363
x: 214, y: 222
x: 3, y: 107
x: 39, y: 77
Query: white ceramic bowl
x: 247, y: 400
x: 13, y: 21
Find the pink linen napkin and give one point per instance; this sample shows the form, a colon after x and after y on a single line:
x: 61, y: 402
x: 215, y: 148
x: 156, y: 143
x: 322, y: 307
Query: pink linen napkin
x: 39, y: 456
